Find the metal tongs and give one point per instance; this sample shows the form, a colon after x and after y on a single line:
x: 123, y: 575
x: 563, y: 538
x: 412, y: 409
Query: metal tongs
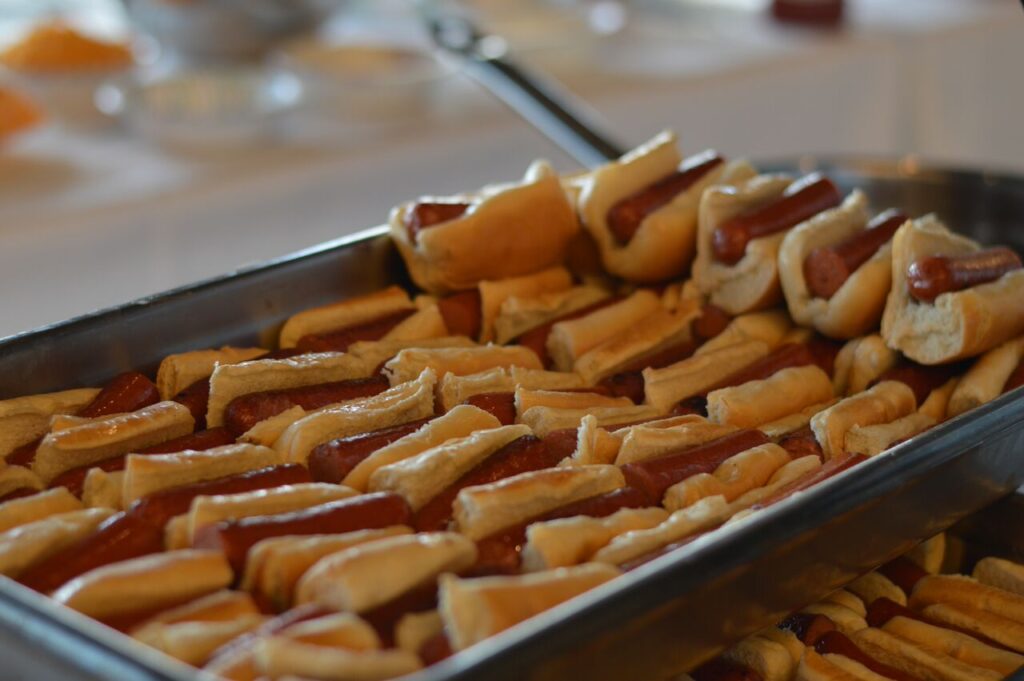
x: 564, y: 119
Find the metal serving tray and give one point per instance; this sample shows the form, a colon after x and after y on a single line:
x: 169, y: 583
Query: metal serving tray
x: 669, y: 614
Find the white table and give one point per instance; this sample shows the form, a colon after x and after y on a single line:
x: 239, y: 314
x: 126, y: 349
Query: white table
x: 88, y: 221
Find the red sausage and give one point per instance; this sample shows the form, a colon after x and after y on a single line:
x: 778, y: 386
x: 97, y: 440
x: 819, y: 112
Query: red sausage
x: 338, y: 340
x: 424, y: 215
x: 537, y: 338
x: 719, y: 669
x: 19, y: 493
x: 74, y: 479
x: 625, y: 217
x: 800, y: 443
x: 629, y: 381
x: 333, y: 461
x: 783, y: 357
x: 711, y: 322
x: 501, y: 406
x: 1015, y: 380
x: 827, y: 268
x: 561, y: 443
x: 626, y: 384
x: 367, y: 511
x: 120, y: 537
x: 196, y: 397
x: 807, y: 627
x: 654, y: 476
x: 920, y: 378
x: 834, y: 466
x: 904, y: 573
x: 803, y: 199
x: 435, y: 649
x: 838, y: 643
x: 930, y: 277
x: 244, y: 412
x: 524, y: 454
x: 462, y: 313
x: 384, y: 617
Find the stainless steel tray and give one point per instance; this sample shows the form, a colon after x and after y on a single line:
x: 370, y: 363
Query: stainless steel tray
x: 669, y: 614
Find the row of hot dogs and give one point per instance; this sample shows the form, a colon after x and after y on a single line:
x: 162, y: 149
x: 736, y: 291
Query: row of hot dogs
x: 405, y: 476
x: 906, y: 622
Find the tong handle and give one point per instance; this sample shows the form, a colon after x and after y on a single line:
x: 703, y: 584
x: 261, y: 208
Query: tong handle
x: 564, y: 119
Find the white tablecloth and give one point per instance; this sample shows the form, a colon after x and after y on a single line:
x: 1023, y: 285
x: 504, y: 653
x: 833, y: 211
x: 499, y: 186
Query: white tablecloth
x: 92, y: 220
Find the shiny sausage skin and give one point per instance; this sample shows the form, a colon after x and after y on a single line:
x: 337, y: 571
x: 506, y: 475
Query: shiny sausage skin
x: 626, y: 216
x: 920, y: 378
x: 711, y: 322
x: 561, y: 443
x: 654, y: 476
x: 462, y: 313
x: 834, y: 466
x: 161, y: 506
x: 783, y: 357
x: 930, y: 277
x: 827, y: 268
x: 501, y: 406
x: 904, y: 573
x: 338, y: 340
x: 800, y: 443
x: 197, y: 398
x: 19, y: 493
x: 74, y: 479
x: 424, y: 215
x: 500, y: 552
x: 719, y: 669
x: 333, y: 461
x: 803, y: 199
x: 368, y: 511
x: 1015, y: 380
x: 807, y: 627
x: 537, y: 338
x: 524, y: 454
x: 244, y: 412
x: 435, y: 649
x: 120, y: 537
x: 838, y: 643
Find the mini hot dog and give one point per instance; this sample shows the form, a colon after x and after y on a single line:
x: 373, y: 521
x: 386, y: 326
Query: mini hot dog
x: 341, y: 339
x: 931, y: 276
x: 827, y: 268
x: 333, y: 461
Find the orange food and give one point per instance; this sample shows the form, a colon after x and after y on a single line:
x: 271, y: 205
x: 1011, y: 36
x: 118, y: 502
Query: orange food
x: 56, y: 48
x: 17, y: 112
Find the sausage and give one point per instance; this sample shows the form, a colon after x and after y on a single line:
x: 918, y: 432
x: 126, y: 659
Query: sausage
x: 384, y: 617
x: 824, y: 351
x: 425, y: 214
x: 333, y: 461
x: 626, y: 384
x: 125, y: 392
x: 834, y: 466
x: 561, y: 443
x: 74, y: 479
x: 338, y: 340
x: 654, y: 476
x: 711, y: 322
x: 626, y: 216
x: 368, y: 511
x: 838, y: 643
x: 462, y: 313
x: 197, y: 398
x: 537, y: 338
x: 803, y: 199
x: 827, y: 268
x: 719, y: 669
x: 120, y: 537
x: 1015, y: 380
x: 904, y: 573
x: 435, y: 649
x: 930, y: 277
x: 800, y: 443
x: 783, y: 357
x: 501, y: 406
x: 920, y: 378
x: 244, y: 412
x: 18, y: 494
x: 524, y: 454
x: 807, y: 627
x: 696, y: 405
x: 161, y: 506
x: 499, y: 553
x: 629, y: 381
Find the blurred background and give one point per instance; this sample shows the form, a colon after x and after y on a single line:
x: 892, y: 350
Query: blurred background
x: 145, y: 144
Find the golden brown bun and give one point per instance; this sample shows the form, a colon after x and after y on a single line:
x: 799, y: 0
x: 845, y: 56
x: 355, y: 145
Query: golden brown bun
x: 753, y: 282
x: 663, y: 246
x: 518, y: 315
x: 494, y: 293
x: 194, y: 642
x: 416, y: 628
x: 594, y: 445
x: 571, y: 339
x: 1001, y: 574
x: 544, y: 420
x: 667, y: 386
x: 847, y: 620
x: 341, y: 315
x: 875, y: 585
x: 871, y: 358
x: 959, y: 324
x: 985, y: 379
x: 736, y: 475
x: 757, y: 402
x: 475, y: 609
x: 769, y: 659
x: 795, y: 421
x: 650, y: 440
x: 103, y: 490
x: 13, y: 478
x: 36, y: 507
x: 1002, y: 630
x: 508, y: 231
x: 877, y: 438
x: 526, y: 399
x: 408, y: 364
x: 24, y: 546
x: 146, y: 584
x: 856, y: 308
x: 336, y: 630
x: 374, y: 353
x: 883, y: 403
x: 960, y: 590
x: 23, y: 419
x: 815, y: 667
x: 179, y: 371
x: 104, y: 438
x: 772, y: 327
x: 942, y: 641
x: 917, y: 661
x: 571, y: 541
x: 931, y: 554
x: 279, y: 657
x: 936, y: 405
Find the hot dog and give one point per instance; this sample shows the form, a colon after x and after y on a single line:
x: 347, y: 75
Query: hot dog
x: 629, y: 382
x: 332, y: 461
x: 803, y: 199
x: 827, y: 268
x: 922, y: 379
x: 711, y: 322
x: 838, y: 643
x: 340, y: 339
x: 801, y: 443
x: 834, y: 466
x: 435, y: 649
x: 931, y: 276
x: 500, y: 405
x: 625, y: 217
x: 1015, y: 380
x: 368, y: 511
x: 424, y: 215
x: 537, y: 338
x: 196, y: 397
x: 462, y: 313
x: 244, y: 412
x: 783, y: 357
